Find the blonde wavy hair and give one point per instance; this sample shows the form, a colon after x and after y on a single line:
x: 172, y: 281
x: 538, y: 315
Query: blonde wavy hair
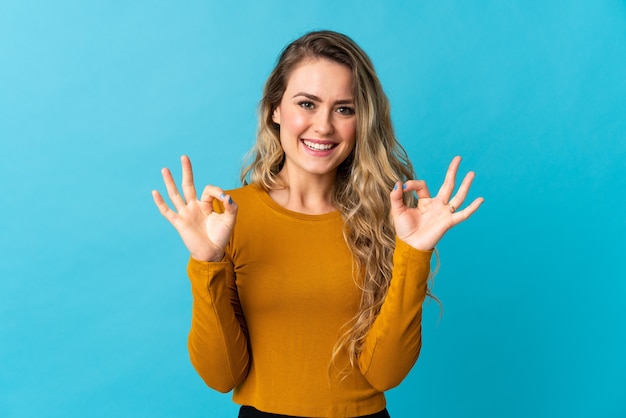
x: 364, y: 179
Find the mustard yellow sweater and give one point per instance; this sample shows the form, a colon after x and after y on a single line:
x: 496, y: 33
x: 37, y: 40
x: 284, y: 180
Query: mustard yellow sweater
x: 265, y: 319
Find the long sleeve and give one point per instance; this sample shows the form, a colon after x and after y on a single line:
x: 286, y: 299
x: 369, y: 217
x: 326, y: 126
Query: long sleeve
x: 394, y: 341
x: 218, y: 342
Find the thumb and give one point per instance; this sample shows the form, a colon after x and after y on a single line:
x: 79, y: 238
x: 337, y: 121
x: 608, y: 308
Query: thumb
x: 229, y: 206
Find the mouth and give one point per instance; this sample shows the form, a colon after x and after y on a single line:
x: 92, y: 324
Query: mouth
x: 318, y: 146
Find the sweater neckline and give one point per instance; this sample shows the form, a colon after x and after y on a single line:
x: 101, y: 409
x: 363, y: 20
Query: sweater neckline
x: 267, y: 199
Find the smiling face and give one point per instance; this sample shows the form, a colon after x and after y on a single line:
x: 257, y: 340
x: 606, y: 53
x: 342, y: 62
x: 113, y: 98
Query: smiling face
x: 317, y: 119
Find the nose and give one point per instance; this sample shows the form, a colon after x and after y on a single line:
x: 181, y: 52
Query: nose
x: 323, y: 122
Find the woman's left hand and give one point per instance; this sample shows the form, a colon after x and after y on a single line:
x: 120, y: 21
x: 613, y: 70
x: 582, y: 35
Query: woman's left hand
x: 423, y: 226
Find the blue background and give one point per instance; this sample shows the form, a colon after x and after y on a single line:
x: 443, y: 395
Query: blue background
x: 96, y: 97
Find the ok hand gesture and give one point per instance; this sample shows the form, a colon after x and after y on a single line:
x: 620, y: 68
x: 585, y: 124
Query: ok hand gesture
x: 204, y: 232
x: 423, y: 226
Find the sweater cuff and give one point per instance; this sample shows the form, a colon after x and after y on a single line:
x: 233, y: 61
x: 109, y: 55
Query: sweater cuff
x: 409, y: 251
x: 413, y: 260
x: 201, y: 273
x: 204, y: 268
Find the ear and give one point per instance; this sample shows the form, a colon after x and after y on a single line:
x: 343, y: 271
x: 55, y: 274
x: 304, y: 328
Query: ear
x: 276, y: 116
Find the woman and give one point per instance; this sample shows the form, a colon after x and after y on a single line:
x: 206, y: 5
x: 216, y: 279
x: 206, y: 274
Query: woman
x: 308, y: 281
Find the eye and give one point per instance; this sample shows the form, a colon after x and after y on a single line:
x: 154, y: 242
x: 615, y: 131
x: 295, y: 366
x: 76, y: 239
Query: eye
x: 345, y: 110
x: 307, y: 104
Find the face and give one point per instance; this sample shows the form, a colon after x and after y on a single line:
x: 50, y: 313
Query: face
x: 317, y: 118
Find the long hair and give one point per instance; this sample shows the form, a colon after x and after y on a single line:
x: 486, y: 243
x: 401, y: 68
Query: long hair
x: 364, y: 179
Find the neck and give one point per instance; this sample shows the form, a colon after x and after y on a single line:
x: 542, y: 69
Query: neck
x: 311, y: 195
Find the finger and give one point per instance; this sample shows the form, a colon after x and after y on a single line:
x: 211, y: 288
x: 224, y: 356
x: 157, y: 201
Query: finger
x: 189, y: 190
x: 209, y: 195
x: 446, y: 189
x: 464, y: 214
x: 417, y: 186
x: 172, y: 190
x: 461, y: 194
x: 395, y: 196
x: 165, y: 210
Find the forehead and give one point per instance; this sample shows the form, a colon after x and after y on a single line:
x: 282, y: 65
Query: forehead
x: 318, y: 75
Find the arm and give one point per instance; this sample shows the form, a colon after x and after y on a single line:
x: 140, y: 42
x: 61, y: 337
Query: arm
x: 217, y: 340
x: 218, y: 343
x: 393, y: 342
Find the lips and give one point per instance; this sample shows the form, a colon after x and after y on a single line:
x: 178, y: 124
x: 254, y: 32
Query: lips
x: 318, y: 146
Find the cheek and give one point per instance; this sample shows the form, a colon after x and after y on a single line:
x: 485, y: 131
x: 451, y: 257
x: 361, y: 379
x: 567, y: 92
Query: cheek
x: 349, y: 132
x: 292, y: 120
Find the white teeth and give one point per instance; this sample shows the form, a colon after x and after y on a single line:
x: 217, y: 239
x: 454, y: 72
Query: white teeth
x: 318, y: 147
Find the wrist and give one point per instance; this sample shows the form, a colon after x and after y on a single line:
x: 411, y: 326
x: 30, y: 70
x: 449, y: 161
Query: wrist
x: 207, y: 258
x: 418, y: 244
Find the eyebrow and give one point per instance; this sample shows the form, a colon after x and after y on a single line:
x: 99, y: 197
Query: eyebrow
x: 317, y: 99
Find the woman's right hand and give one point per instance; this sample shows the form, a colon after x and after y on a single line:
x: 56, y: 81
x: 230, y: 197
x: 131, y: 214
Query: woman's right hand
x: 204, y: 231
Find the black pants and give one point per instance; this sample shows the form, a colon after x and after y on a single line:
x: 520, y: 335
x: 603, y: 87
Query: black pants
x: 250, y: 412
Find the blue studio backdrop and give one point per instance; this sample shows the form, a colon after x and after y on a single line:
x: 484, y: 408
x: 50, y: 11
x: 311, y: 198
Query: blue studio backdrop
x: 96, y: 97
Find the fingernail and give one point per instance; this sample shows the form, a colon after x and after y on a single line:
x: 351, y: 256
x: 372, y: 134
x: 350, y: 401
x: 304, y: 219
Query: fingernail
x: 395, y: 186
x: 230, y: 201
x: 404, y: 187
x: 222, y: 196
